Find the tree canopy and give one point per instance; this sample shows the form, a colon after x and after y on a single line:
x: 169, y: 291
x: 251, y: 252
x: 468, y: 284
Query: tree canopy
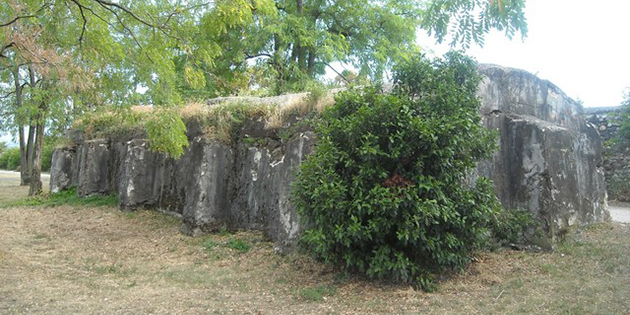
x: 59, y: 58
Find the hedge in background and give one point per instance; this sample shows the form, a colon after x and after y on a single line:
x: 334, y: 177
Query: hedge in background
x: 385, y: 193
x: 10, y: 159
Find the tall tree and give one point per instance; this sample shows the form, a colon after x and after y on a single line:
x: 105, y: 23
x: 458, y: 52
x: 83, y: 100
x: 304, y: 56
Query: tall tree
x: 64, y: 55
x: 295, y: 41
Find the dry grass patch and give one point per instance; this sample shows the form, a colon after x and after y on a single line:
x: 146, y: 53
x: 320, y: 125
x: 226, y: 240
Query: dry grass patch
x: 78, y: 260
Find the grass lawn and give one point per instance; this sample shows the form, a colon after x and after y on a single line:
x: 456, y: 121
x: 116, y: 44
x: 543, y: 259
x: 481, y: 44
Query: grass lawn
x: 98, y: 260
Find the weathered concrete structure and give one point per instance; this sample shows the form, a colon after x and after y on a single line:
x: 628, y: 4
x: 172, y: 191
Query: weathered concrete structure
x: 212, y: 186
x: 549, y: 159
x: 549, y: 162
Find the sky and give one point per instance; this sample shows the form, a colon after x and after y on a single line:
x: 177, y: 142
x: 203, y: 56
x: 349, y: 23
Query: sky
x: 581, y: 46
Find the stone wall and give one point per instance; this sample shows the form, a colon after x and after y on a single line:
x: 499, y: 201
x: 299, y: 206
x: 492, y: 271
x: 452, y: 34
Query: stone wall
x: 548, y: 162
x: 212, y: 186
x: 549, y: 158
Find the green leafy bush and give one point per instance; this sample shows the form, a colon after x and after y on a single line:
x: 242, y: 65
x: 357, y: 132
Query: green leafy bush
x: 510, y: 226
x: 10, y: 159
x: 385, y: 192
x: 242, y: 246
x: 47, y: 152
x: 623, y: 138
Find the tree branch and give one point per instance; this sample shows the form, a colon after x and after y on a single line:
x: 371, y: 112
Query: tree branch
x: 7, y: 46
x: 7, y: 95
x: 84, y: 21
x: 108, y: 5
x: 25, y: 16
x: 258, y: 55
x: 16, y: 19
x: 339, y: 74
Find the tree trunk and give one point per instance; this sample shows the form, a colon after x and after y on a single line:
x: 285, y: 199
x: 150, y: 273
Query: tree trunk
x: 36, y: 172
x: 24, y: 169
x: 300, y: 52
x: 311, y: 63
x: 30, y: 149
x: 24, y: 175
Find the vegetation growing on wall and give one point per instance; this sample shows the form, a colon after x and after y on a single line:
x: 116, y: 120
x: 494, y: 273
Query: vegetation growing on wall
x: 222, y: 121
x: 385, y: 194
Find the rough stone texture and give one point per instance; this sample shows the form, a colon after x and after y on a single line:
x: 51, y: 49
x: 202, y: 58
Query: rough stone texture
x: 63, y: 174
x: 137, y: 185
x: 548, y: 162
x: 263, y: 183
x: 94, y: 168
x: 208, y: 165
x: 549, y: 157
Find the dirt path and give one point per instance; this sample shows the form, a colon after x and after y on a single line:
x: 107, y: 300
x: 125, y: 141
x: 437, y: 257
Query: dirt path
x: 620, y: 212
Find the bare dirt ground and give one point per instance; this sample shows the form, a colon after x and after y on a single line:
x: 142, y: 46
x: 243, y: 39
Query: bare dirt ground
x: 80, y: 260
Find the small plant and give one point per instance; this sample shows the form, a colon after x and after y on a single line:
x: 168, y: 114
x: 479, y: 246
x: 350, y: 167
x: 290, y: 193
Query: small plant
x: 239, y: 245
x: 316, y: 92
x: 318, y: 293
x: 510, y: 226
x: 209, y: 245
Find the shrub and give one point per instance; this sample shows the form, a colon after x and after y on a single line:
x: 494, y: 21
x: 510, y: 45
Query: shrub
x: 623, y: 137
x: 384, y: 193
x: 10, y: 159
x: 47, y: 152
x: 510, y: 226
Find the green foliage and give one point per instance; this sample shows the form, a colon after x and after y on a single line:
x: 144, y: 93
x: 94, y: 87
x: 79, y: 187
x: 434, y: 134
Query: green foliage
x: 384, y: 193
x: 166, y: 133
x: 10, y: 159
x: 510, y: 226
x: 318, y: 293
x: 276, y: 46
x: 209, y: 245
x: 67, y: 197
x: 618, y: 186
x: 466, y: 25
x: 49, y: 147
x: 104, y: 123
x: 623, y: 118
x: 3, y: 147
x: 242, y: 246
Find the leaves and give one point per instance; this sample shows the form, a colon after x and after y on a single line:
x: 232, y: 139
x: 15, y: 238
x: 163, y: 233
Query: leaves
x: 384, y: 194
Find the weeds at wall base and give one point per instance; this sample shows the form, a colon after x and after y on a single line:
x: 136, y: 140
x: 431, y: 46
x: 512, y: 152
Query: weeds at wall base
x: 66, y: 197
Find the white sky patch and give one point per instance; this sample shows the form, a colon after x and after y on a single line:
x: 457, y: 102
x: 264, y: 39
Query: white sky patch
x: 581, y: 46
x: 8, y: 140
